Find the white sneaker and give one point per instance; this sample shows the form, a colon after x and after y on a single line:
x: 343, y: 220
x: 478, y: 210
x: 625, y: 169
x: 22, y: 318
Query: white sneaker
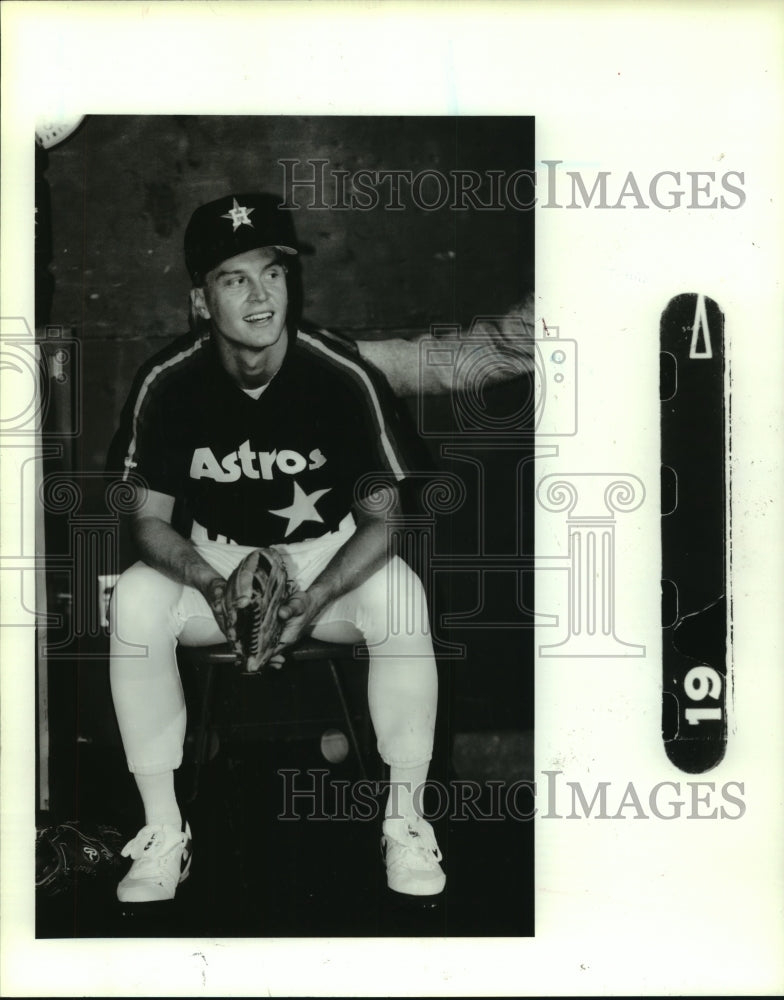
x: 161, y: 860
x: 412, y: 855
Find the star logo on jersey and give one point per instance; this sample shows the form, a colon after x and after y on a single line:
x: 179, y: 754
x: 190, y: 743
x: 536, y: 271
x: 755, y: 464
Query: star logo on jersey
x: 239, y: 215
x: 303, y: 508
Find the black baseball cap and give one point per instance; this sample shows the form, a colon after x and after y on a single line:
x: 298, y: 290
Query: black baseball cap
x: 232, y: 225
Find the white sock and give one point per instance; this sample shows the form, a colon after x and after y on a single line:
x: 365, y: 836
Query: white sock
x: 159, y: 800
x: 404, y: 801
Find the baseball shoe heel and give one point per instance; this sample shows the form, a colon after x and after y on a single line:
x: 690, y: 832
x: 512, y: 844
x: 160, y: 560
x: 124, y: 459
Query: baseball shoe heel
x: 161, y: 858
x: 412, y: 857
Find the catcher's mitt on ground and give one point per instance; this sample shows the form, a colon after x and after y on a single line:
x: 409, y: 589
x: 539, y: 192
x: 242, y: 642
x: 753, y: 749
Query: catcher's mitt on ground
x: 253, y: 595
x: 65, y: 853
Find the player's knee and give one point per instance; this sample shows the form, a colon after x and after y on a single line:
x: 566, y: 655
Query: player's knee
x: 394, y: 602
x: 141, y: 594
x: 407, y: 598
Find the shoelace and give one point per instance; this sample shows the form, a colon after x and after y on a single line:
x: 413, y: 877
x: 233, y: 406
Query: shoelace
x: 422, y: 847
x: 149, y: 844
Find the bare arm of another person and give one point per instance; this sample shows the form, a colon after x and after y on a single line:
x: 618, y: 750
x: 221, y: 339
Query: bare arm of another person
x: 509, y: 345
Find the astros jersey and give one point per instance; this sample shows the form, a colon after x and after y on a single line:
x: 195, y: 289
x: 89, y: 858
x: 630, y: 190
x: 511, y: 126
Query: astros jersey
x: 280, y: 468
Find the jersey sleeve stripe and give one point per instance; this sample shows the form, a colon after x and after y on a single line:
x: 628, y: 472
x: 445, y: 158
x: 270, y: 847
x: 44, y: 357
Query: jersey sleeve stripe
x: 363, y: 379
x: 143, y: 396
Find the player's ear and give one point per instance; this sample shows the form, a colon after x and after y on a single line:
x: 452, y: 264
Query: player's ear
x: 199, y: 303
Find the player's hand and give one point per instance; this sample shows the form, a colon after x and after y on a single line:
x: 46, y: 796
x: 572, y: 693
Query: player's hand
x: 512, y: 336
x: 297, y: 614
x: 214, y: 595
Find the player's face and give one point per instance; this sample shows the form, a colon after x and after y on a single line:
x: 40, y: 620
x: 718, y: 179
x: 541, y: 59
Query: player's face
x: 246, y: 298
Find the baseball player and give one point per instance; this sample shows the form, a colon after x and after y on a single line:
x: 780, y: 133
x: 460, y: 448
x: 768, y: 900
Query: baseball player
x: 255, y: 433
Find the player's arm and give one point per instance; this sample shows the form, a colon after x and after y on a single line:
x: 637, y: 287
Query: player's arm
x: 164, y: 548
x: 364, y: 553
x: 509, y: 342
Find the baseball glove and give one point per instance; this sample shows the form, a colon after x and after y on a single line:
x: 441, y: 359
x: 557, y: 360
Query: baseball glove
x: 67, y: 852
x: 254, y: 593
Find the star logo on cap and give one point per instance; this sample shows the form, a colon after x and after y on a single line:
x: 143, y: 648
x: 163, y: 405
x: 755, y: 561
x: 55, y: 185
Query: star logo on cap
x: 239, y: 215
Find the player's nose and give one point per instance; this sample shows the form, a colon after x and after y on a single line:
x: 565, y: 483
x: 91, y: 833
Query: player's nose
x: 258, y: 290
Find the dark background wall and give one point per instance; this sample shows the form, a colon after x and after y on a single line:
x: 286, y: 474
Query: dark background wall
x: 122, y: 189
x: 114, y: 199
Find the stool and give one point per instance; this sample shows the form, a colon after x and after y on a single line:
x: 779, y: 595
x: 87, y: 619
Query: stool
x: 211, y: 658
